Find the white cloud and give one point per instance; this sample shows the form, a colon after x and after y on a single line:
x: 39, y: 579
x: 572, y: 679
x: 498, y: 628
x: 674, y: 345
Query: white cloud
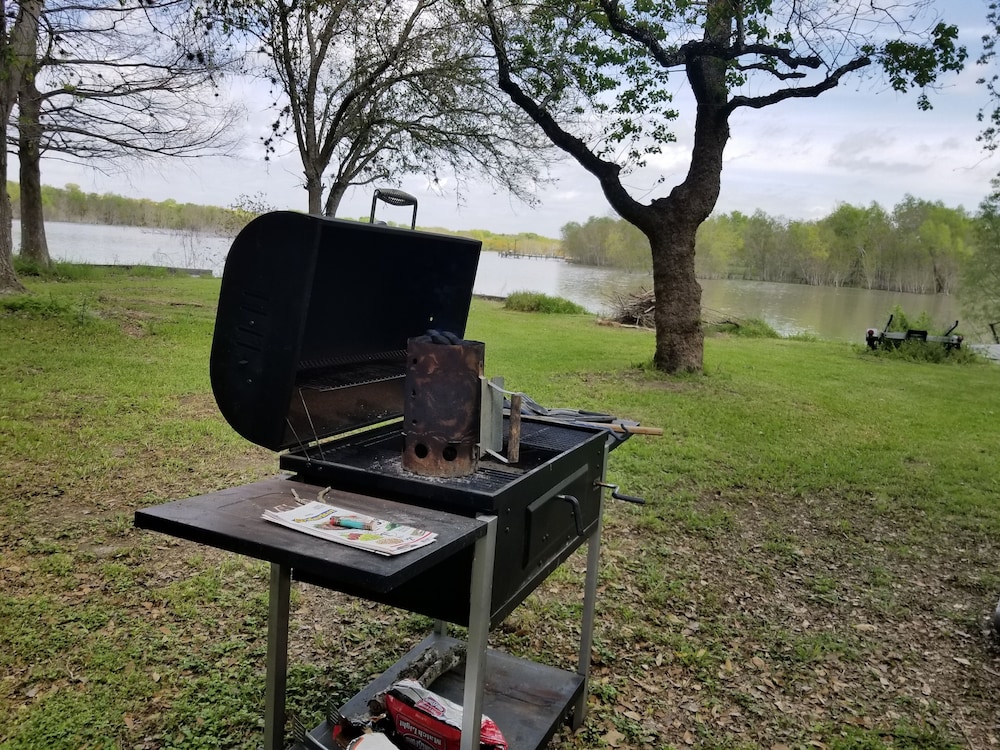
x: 856, y: 144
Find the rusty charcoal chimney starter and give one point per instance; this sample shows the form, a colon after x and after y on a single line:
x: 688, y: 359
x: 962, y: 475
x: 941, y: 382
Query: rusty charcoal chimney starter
x: 442, y: 405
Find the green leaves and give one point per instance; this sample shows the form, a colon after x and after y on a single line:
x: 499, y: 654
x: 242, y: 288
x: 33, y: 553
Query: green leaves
x: 915, y: 64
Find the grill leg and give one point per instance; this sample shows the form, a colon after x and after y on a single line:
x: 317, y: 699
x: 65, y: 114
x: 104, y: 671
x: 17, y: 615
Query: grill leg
x: 277, y: 657
x: 480, y: 599
x: 589, y: 611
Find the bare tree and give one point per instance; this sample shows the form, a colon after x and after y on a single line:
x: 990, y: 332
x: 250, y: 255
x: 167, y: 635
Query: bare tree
x: 118, y: 80
x: 375, y: 91
x: 621, y: 60
x: 15, y: 50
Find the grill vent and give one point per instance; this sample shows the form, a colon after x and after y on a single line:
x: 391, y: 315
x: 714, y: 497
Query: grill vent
x: 251, y: 326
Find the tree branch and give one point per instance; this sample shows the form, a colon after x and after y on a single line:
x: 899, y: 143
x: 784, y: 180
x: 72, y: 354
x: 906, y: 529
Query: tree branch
x: 667, y: 58
x: 831, y: 81
x: 770, y: 69
x: 607, y: 173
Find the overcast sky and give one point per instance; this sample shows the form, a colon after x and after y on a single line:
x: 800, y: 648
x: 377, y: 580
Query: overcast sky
x: 856, y: 144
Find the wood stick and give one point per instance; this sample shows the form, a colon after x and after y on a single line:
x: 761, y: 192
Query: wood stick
x: 514, y: 438
x: 634, y: 429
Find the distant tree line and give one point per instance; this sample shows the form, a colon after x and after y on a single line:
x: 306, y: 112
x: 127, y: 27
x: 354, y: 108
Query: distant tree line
x: 74, y: 205
x: 919, y: 246
x: 71, y: 204
x: 604, y: 241
x: 524, y: 243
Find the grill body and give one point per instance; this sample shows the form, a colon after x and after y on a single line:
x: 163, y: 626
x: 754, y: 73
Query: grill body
x: 309, y: 358
x: 546, y: 506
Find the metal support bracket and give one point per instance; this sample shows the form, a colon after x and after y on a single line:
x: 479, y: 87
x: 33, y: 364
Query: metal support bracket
x: 277, y: 656
x: 480, y: 598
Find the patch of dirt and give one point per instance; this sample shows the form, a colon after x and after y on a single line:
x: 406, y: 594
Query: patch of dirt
x: 786, y: 628
x: 133, y: 323
x: 198, y: 406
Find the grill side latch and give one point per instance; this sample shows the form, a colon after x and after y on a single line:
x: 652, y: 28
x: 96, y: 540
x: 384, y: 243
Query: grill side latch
x: 619, y: 496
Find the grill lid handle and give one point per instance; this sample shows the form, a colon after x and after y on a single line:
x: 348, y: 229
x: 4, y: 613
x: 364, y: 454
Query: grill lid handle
x: 394, y: 198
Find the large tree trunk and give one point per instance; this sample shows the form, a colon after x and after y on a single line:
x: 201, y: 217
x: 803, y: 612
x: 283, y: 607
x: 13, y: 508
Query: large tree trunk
x: 34, y: 246
x: 680, y: 340
x: 314, y: 188
x: 334, y: 197
x: 17, y: 49
x: 9, y: 283
x: 677, y: 298
x: 671, y: 224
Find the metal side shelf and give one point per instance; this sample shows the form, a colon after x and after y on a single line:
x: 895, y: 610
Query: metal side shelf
x: 528, y: 701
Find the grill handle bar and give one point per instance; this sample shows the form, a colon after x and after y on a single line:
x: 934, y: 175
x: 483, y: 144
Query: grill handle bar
x: 394, y: 198
x: 619, y: 496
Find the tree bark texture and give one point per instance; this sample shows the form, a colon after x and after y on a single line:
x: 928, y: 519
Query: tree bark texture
x: 34, y: 246
x: 333, y: 198
x: 9, y: 283
x: 677, y: 299
x: 314, y: 189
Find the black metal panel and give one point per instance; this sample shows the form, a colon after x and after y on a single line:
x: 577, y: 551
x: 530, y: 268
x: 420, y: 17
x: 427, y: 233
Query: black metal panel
x: 314, y: 315
x: 262, y: 310
x: 523, y: 559
x: 371, y: 462
x: 230, y: 519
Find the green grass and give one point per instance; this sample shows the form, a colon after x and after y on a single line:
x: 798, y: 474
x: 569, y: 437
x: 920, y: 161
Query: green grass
x: 542, y: 303
x: 820, y: 523
x: 751, y: 328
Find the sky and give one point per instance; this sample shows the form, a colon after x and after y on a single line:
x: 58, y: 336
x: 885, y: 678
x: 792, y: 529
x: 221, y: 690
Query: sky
x: 859, y: 143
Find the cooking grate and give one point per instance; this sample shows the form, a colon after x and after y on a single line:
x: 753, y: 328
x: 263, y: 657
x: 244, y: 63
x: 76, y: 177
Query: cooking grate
x: 550, y: 437
x: 379, y: 454
x: 355, y: 375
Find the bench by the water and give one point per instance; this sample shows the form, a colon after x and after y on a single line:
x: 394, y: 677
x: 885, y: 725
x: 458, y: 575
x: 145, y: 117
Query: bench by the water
x: 876, y: 338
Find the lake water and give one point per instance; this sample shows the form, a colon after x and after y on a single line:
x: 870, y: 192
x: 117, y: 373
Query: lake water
x: 827, y: 312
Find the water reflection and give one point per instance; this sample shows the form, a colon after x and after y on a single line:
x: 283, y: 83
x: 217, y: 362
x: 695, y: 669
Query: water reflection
x: 841, y: 314
x: 101, y: 244
x: 828, y: 312
x: 594, y: 288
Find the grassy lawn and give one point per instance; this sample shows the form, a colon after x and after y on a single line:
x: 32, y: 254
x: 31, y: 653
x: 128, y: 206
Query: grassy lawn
x: 815, y: 565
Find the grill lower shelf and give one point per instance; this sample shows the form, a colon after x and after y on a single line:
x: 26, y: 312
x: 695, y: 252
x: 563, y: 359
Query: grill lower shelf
x: 528, y: 701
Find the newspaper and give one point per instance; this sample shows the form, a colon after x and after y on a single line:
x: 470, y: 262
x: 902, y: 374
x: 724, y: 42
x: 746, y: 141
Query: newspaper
x: 350, y: 527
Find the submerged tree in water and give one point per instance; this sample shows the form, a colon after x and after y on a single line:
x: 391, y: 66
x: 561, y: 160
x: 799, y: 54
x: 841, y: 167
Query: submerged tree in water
x: 981, y: 274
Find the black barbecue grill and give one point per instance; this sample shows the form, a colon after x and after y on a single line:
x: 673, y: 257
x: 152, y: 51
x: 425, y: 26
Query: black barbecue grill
x: 309, y: 359
x: 310, y: 349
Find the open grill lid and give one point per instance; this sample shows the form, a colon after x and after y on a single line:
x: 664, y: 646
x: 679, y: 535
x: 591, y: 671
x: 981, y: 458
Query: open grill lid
x: 313, y: 319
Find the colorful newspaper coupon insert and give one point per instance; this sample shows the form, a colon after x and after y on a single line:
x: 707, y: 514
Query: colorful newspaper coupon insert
x: 350, y: 527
